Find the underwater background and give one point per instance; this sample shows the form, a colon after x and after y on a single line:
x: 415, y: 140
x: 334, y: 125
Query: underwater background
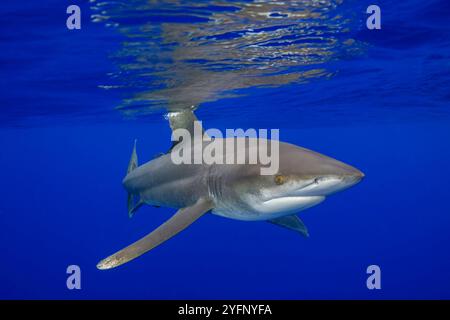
x: 73, y: 101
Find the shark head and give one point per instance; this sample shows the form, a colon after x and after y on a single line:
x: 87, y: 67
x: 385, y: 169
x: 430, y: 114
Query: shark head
x: 304, y: 178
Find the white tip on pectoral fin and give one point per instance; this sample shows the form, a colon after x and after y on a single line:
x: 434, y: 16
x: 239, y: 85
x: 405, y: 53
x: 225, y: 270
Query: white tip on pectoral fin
x: 178, y: 222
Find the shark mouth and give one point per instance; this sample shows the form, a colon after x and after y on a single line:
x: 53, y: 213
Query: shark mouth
x: 290, y: 204
x: 326, y: 185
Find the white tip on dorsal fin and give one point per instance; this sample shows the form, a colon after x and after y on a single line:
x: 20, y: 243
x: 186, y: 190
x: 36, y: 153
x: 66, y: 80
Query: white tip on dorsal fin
x: 183, y: 119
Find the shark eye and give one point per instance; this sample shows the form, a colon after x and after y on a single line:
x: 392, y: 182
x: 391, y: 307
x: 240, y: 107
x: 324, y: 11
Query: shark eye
x: 280, y: 179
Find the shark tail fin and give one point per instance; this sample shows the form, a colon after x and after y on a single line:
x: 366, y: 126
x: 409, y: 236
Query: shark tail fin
x: 132, y: 203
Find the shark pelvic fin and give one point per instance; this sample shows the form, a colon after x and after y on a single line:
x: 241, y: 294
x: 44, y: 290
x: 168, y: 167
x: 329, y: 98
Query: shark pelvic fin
x: 132, y: 205
x: 293, y: 223
x: 178, y: 222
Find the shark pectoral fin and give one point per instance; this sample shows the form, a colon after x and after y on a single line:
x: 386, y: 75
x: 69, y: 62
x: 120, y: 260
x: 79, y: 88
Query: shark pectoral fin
x: 178, y: 222
x: 292, y: 222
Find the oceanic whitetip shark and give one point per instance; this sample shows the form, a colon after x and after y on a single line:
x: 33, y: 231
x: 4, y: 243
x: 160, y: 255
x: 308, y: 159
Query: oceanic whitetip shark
x: 237, y: 191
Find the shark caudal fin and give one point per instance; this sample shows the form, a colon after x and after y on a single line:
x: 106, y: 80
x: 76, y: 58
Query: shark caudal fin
x: 133, y: 164
x: 132, y: 203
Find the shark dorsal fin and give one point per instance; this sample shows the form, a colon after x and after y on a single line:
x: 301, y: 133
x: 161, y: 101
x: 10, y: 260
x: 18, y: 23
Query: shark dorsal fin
x: 183, y: 119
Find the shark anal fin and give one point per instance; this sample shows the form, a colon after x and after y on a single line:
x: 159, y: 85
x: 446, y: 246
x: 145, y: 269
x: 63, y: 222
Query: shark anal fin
x: 293, y: 223
x: 178, y: 222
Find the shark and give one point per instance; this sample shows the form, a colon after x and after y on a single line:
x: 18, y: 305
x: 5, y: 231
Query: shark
x: 237, y: 191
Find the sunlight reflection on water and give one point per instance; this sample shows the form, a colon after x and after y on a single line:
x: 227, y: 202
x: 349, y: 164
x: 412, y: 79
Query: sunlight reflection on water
x: 182, y: 53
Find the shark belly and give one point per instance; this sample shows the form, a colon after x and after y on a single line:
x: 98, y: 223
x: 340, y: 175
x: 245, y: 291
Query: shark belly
x: 267, y: 210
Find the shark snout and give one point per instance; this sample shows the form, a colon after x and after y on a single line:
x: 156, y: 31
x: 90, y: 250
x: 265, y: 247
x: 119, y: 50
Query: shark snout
x: 340, y: 169
x: 353, y: 178
x: 344, y: 177
x: 333, y: 176
x: 352, y: 174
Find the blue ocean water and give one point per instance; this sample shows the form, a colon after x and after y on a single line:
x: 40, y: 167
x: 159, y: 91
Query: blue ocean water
x: 73, y: 101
